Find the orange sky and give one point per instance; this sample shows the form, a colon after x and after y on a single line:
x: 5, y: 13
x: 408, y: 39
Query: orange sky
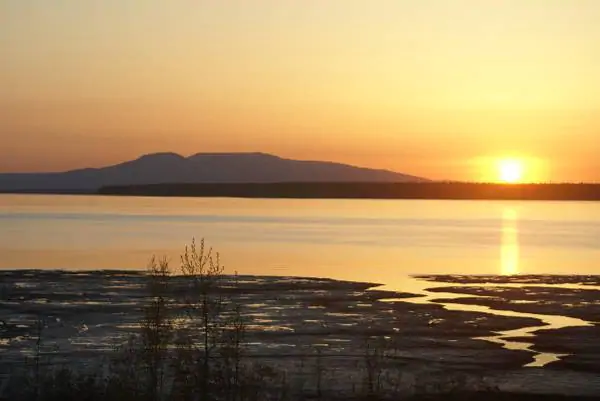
x: 431, y: 87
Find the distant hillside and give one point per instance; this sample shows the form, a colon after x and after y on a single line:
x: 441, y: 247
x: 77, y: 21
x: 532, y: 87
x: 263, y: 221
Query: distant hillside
x: 161, y: 168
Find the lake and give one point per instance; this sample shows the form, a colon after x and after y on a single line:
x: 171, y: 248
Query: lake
x: 366, y: 240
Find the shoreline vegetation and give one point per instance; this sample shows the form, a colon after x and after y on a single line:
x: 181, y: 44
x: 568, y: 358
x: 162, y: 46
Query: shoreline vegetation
x: 344, y: 190
x: 191, y: 343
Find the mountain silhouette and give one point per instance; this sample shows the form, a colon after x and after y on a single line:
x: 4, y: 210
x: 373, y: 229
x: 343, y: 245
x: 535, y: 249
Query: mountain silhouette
x: 161, y: 168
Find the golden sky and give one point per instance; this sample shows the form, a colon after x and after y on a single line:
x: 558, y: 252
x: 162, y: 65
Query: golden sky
x: 437, y: 88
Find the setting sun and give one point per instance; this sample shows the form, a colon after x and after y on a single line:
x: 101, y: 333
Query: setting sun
x: 510, y: 170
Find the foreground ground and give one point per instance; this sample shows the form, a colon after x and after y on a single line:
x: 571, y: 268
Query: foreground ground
x: 300, y: 325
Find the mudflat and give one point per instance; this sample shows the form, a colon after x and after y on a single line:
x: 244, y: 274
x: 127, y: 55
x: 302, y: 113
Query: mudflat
x: 293, y: 320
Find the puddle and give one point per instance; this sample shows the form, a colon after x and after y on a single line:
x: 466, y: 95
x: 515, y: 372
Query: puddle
x: 256, y: 305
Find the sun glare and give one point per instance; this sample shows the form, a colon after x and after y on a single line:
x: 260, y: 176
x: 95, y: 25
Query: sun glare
x: 509, y: 247
x: 510, y: 171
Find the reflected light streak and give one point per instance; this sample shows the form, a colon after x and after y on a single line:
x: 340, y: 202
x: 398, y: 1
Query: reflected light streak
x: 509, y: 248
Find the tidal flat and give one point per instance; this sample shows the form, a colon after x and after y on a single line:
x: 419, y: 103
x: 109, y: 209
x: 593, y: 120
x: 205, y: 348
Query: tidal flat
x: 562, y: 297
x: 291, y: 321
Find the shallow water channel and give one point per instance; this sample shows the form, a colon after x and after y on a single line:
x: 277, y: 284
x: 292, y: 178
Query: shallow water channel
x: 510, y: 339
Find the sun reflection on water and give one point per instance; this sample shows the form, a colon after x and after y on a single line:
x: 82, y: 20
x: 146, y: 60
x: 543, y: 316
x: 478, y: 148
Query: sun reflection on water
x: 509, y: 248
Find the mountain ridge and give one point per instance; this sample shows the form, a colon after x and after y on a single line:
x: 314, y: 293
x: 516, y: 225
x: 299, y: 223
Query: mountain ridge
x: 170, y: 167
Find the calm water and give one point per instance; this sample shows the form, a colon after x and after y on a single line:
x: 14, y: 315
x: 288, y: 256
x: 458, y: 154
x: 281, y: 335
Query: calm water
x: 371, y: 240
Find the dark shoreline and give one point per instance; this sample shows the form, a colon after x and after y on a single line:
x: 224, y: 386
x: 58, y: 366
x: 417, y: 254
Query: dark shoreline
x: 338, y: 190
x: 565, y: 192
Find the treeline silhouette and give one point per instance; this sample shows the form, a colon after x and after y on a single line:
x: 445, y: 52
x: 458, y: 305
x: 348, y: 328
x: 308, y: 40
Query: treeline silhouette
x: 358, y: 190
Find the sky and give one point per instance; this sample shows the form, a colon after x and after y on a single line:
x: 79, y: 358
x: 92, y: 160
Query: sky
x: 436, y: 88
